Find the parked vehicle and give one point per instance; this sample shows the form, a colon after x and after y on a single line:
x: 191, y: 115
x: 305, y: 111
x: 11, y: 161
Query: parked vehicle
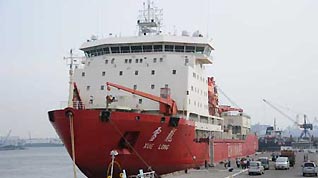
x: 309, y: 168
x: 282, y: 163
x: 255, y: 168
x: 264, y: 161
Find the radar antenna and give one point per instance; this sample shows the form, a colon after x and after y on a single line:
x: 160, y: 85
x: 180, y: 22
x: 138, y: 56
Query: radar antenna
x: 149, y: 20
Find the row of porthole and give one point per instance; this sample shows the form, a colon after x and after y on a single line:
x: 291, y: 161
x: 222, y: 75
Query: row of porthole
x: 174, y: 72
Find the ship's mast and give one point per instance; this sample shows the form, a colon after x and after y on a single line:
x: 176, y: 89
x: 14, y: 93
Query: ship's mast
x: 150, y: 20
x: 71, y: 64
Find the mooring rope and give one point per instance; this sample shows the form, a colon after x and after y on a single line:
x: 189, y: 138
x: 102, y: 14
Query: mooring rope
x: 134, y: 150
x: 70, y: 115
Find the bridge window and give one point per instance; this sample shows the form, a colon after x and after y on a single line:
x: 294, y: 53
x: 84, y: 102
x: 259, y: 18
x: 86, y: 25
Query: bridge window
x: 190, y: 49
x: 106, y: 50
x: 179, y: 48
x: 199, y: 50
x: 114, y: 49
x: 126, y: 60
x: 147, y: 48
x: 169, y: 48
x: 125, y: 49
x: 157, y: 48
x: 154, y: 60
x: 136, y: 60
x: 136, y: 49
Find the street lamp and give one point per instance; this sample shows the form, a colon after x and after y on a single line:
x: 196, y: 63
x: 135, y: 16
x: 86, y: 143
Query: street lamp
x: 113, y: 153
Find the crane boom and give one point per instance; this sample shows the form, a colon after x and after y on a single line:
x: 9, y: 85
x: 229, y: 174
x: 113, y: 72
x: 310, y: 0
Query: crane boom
x: 167, y: 105
x: 223, y: 108
x: 281, y: 112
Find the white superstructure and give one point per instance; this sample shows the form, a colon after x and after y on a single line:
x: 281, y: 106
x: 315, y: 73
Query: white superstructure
x: 147, y: 63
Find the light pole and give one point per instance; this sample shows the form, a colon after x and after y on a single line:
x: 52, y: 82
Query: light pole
x: 113, y: 153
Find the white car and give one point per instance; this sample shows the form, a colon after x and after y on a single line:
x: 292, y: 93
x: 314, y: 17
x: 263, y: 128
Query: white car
x: 309, y: 168
x: 255, y: 168
x: 282, y: 163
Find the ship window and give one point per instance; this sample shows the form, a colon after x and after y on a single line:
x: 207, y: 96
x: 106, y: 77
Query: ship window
x: 106, y: 50
x: 136, y: 49
x: 83, y: 74
x: 208, y: 51
x: 199, y: 49
x: 190, y: 49
x: 99, y: 52
x: 136, y: 60
x: 130, y: 60
x: 135, y: 87
x: 174, y: 71
x: 194, y: 75
x: 157, y: 48
x: 152, y: 72
x: 140, y: 60
x: 140, y: 101
x: 166, y: 85
x: 112, y: 61
x: 186, y: 61
x: 147, y: 48
x: 191, y: 88
x: 125, y: 49
x: 120, y: 72
x: 169, y: 48
x: 114, y: 49
x: 102, y: 87
x: 103, y: 73
x: 106, y: 61
x: 126, y: 60
x: 161, y: 59
x: 154, y: 60
x: 152, y: 86
x: 179, y: 48
x: 88, y: 87
x: 136, y: 72
x: 93, y: 52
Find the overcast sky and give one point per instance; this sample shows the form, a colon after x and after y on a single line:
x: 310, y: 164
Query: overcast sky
x: 263, y: 49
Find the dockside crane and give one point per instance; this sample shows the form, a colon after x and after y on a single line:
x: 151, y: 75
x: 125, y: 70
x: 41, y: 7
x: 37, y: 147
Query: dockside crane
x: 306, y: 126
x: 6, y: 138
x: 167, y: 105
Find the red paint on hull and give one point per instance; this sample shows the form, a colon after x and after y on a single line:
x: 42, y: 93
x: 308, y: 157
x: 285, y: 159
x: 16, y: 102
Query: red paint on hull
x: 95, y: 139
x: 227, y: 148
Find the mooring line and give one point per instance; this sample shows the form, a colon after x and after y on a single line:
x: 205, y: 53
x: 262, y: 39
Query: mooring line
x: 70, y: 115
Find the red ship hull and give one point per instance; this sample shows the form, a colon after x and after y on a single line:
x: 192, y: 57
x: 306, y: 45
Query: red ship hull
x: 173, y: 148
x: 143, y: 141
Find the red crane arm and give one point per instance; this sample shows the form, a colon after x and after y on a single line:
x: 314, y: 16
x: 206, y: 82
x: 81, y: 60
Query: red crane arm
x: 228, y: 108
x: 171, y: 107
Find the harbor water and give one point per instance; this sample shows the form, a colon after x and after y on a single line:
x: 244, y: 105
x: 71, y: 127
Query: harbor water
x: 41, y: 162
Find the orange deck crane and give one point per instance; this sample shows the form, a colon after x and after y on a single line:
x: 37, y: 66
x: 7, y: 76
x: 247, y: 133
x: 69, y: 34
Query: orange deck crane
x: 167, y: 105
